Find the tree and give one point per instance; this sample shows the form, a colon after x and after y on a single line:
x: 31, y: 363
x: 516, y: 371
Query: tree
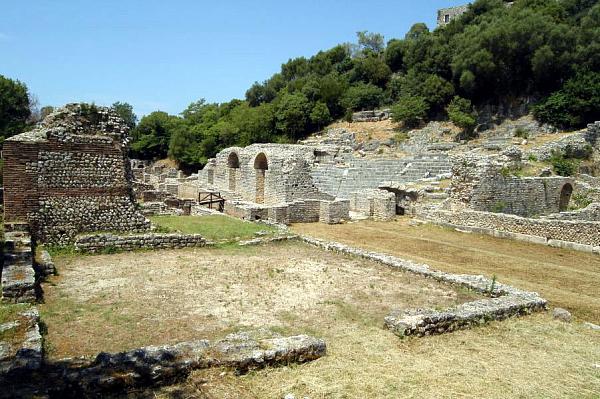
x: 370, y: 42
x: 462, y: 114
x: 320, y: 115
x: 410, y: 110
x: 417, y: 31
x: 371, y: 69
x: 125, y: 111
x: 575, y: 104
x: 14, y: 107
x: 291, y: 116
x: 394, y: 54
x: 152, y: 135
x: 362, y: 96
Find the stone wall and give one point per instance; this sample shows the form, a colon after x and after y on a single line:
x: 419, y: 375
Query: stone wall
x: 301, y: 172
x: 94, y: 243
x: 580, y: 235
x: 378, y: 204
x: 487, y: 183
x: 334, y: 212
x: 300, y: 211
x: 71, y: 175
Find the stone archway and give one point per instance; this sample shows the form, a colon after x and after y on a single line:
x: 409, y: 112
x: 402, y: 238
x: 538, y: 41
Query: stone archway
x: 565, y: 197
x: 233, y: 165
x: 261, y: 165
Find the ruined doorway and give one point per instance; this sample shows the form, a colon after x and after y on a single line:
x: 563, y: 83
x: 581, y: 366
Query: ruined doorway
x: 261, y: 165
x: 233, y: 165
x: 565, y: 197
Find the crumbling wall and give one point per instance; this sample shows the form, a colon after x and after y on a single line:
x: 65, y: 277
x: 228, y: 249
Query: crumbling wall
x: 487, y: 183
x: 71, y: 175
x: 557, y: 233
x: 378, y: 204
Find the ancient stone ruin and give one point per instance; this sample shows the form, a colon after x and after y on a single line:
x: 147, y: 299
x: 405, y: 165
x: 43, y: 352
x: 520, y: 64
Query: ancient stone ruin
x: 71, y: 175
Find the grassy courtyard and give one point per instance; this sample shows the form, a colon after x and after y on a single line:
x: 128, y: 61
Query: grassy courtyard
x: 213, y: 227
x: 568, y: 279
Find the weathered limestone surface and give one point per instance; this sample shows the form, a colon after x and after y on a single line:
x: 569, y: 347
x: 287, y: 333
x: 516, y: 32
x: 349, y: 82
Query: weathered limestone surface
x: 71, y: 175
x: 116, y: 374
x: 378, y: 204
x: 485, y: 183
x: 371, y: 116
x: 505, y: 301
x: 45, y: 265
x: 93, y: 243
x: 25, y: 354
x: 19, y: 284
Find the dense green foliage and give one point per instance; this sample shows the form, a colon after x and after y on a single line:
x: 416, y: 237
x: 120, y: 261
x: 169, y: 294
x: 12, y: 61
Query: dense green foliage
x: 410, y: 110
x: 461, y: 113
x: 14, y: 107
x: 541, y: 49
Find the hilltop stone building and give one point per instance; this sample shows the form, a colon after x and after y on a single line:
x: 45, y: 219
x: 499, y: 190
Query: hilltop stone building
x: 446, y: 15
x: 71, y: 175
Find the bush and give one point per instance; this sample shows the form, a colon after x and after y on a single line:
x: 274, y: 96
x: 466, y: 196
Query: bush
x: 564, y: 166
x: 410, y: 110
x: 461, y: 113
x: 522, y: 133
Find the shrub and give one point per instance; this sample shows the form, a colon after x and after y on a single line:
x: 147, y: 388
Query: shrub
x: 521, y: 133
x: 580, y: 201
x: 564, y: 166
x: 499, y: 207
x: 461, y: 113
x: 410, y: 110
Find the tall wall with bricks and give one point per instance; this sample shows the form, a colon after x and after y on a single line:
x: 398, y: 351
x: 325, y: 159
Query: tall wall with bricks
x: 71, y: 175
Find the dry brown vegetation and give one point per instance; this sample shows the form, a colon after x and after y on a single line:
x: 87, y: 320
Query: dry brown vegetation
x: 124, y: 301
x: 568, y: 279
x: 530, y: 357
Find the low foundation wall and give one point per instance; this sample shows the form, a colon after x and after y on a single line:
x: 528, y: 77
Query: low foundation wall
x: 103, y: 242
x: 504, y: 300
x: 578, y: 235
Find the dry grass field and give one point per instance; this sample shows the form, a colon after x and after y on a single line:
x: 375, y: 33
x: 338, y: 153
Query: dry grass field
x: 129, y: 300
x: 113, y: 302
x: 566, y: 278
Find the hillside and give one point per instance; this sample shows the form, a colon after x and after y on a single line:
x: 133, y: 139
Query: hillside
x: 537, y: 55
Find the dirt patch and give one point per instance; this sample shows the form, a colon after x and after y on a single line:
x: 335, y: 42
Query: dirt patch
x: 123, y: 301
x: 566, y: 278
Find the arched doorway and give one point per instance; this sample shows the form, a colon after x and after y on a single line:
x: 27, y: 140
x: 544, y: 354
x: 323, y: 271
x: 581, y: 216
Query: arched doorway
x: 261, y: 165
x: 565, y: 197
x: 233, y: 164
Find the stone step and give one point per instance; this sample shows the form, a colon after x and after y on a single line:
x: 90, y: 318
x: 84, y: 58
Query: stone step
x: 16, y: 226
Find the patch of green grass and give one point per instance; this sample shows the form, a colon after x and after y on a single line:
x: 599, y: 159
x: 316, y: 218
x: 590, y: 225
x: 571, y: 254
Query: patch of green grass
x: 213, y: 227
x: 8, y: 312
